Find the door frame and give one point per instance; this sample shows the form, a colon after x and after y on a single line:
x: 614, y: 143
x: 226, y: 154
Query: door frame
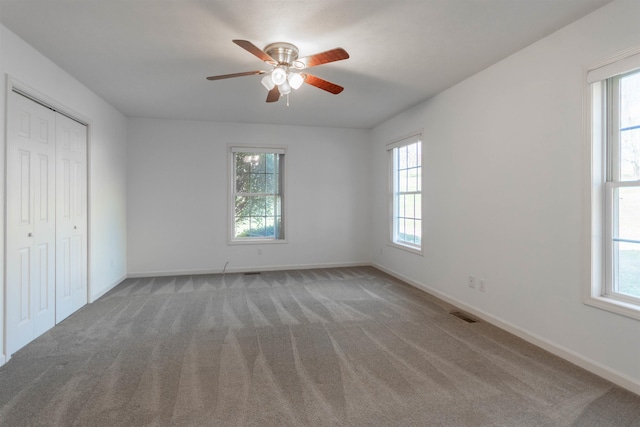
x: 15, y: 85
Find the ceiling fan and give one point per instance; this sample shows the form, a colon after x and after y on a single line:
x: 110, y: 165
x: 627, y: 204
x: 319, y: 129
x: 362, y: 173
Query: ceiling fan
x: 286, y: 75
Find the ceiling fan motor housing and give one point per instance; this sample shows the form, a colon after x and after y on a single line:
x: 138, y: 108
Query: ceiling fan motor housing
x: 284, y: 53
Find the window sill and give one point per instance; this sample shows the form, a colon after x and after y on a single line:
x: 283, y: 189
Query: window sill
x: 623, y: 308
x: 406, y: 248
x: 257, y: 241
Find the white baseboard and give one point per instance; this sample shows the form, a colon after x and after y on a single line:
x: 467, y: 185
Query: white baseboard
x: 113, y: 284
x: 186, y: 272
x: 592, y: 366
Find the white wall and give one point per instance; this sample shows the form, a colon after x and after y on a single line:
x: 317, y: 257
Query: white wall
x: 177, y: 197
x: 107, y: 155
x: 505, y: 161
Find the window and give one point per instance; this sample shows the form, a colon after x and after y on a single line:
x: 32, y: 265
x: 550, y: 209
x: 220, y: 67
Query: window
x: 257, y: 195
x: 622, y: 205
x: 405, y: 158
x: 615, y: 95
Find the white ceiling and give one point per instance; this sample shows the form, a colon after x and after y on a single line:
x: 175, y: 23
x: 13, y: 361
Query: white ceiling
x: 149, y: 58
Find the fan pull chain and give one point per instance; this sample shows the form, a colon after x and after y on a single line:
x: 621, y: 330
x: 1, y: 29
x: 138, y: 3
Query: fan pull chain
x: 287, y: 100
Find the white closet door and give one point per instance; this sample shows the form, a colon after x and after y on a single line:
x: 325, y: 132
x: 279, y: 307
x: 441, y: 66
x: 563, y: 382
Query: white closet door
x: 71, y: 216
x: 30, y: 238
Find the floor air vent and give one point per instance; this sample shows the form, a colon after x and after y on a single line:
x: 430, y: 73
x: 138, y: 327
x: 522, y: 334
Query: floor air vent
x: 251, y: 273
x: 463, y: 316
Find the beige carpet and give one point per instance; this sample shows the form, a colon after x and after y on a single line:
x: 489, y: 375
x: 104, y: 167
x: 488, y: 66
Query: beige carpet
x: 325, y: 347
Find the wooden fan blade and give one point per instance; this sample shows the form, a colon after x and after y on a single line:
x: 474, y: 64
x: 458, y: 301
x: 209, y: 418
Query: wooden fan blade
x: 255, y: 50
x: 323, y: 84
x: 228, y: 76
x: 274, y: 94
x: 337, y: 54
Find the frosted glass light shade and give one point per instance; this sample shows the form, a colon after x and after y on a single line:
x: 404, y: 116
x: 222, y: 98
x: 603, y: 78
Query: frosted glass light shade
x: 284, y: 88
x: 267, y: 82
x: 279, y: 76
x: 295, y: 80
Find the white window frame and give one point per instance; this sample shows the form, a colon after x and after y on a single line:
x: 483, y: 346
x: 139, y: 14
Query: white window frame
x: 599, y: 289
x: 393, y: 190
x: 232, y: 239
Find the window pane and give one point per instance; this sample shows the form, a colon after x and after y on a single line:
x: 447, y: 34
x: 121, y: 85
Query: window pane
x: 412, y: 155
x: 257, y: 206
x: 409, y: 206
x: 241, y: 227
x: 630, y: 127
x: 402, y: 184
x: 242, y: 183
x: 242, y: 206
x: 628, y: 271
x: 409, y: 231
x: 630, y: 101
x: 259, y: 163
x: 248, y: 160
x: 403, y: 228
x: 270, y: 163
x: 628, y: 200
x: 412, y: 180
x: 257, y: 184
x: 402, y: 157
x: 630, y: 154
x: 271, y: 183
x: 257, y: 226
x: 242, y: 170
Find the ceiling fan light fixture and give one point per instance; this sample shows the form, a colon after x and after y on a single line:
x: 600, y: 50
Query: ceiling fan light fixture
x: 278, y: 76
x: 267, y: 82
x: 295, y: 80
x: 284, y: 88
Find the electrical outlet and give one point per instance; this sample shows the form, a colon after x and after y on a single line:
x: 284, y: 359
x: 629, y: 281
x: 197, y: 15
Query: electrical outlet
x: 472, y: 282
x: 482, y: 285
x: 259, y: 251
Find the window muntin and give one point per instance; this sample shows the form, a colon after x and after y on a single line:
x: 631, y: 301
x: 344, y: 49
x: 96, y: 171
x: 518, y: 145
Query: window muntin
x: 622, y: 204
x: 257, y: 194
x: 406, y: 192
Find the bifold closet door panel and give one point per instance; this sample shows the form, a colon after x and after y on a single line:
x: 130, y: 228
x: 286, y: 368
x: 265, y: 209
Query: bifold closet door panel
x: 30, y: 236
x: 71, y: 216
